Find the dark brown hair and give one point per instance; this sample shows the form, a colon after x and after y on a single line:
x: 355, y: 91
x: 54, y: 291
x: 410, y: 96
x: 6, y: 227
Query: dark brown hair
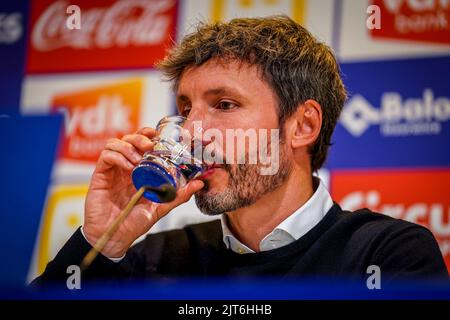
x: 292, y: 61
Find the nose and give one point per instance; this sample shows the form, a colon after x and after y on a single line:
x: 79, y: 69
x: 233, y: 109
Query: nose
x: 196, y: 121
x: 196, y: 124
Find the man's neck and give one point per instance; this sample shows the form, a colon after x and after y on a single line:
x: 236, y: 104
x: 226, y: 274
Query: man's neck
x: 251, y: 224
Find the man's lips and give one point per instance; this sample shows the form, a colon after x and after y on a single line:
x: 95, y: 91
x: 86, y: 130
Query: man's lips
x: 211, y: 169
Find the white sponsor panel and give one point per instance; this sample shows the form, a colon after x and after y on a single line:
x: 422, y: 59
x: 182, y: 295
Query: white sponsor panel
x: 315, y: 15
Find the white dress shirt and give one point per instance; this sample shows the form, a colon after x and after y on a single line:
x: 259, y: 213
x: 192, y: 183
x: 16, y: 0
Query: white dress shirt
x: 92, y: 244
x: 292, y: 228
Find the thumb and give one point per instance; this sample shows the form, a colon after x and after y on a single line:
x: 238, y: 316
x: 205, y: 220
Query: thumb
x: 183, y: 195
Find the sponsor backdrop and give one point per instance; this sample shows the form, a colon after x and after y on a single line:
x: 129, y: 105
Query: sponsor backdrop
x: 391, y: 147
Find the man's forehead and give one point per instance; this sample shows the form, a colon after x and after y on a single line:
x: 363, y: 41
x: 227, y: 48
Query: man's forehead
x: 228, y: 66
x: 217, y: 76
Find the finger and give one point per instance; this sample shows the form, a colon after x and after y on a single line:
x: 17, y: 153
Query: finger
x: 139, y: 141
x: 147, y: 131
x: 125, y: 148
x: 110, y: 158
x: 183, y: 195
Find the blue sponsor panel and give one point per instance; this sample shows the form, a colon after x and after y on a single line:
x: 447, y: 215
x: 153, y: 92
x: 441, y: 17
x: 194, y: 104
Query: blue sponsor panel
x: 13, y: 26
x: 30, y: 146
x: 397, y: 115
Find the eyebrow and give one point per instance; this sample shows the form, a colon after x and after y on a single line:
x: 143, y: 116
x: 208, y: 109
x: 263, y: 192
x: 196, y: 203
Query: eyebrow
x: 213, y: 92
x: 217, y: 91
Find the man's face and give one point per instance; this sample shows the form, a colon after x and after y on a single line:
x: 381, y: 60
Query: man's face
x: 227, y: 95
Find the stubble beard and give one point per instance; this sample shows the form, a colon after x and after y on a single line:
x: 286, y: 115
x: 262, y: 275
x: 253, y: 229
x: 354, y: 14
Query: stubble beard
x: 246, y: 185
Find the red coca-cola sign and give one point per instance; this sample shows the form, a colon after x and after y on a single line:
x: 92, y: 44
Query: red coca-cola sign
x: 415, y: 20
x: 113, y: 34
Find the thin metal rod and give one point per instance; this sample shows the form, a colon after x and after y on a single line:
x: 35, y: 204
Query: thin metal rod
x: 100, y: 244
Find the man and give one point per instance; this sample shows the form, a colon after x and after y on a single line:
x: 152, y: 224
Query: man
x: 266, y: 73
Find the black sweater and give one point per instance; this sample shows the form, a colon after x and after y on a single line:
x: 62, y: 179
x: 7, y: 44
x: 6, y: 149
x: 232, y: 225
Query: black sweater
x: 343, y: 244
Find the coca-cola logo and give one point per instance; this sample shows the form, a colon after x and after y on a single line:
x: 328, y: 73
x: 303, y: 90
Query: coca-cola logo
x: 125, y: 23
x: 112, y: 34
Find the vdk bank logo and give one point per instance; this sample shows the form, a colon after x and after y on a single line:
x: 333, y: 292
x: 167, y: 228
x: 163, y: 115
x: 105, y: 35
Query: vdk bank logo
x: 397, y: 115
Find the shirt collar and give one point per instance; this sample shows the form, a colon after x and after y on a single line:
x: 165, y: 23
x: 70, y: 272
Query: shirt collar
x: 292, y: 228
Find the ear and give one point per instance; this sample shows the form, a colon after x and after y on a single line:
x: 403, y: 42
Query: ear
x: 307, y: 122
